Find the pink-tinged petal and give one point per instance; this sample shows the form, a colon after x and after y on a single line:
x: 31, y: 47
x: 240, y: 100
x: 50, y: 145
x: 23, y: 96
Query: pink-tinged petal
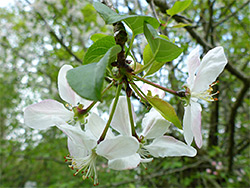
x: 96, y: 125
x: 167, y: 146
x: 187, y: 124
x: 79, y: 137
x: 65, y: 91
x: 211, y: 66
x: 193, y: 63
x: 121, y: 121
x: 196, y: 122
x: 76, y: 150
x: 154, y: 125
x: 154, y: 91
x: 45, y: 114
x: 118, y: 147
x: 125, y: 163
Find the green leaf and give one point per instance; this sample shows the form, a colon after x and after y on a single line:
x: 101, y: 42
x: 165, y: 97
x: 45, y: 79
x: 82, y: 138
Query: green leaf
x: 97, y: 36
x: 134, y: 22
x: 162, y: 49
x: 148, y: 57
x: 165, y: 109
x: 179, y: 25
x: 87, y: 80
x: 179, y: 6
x: 97, y: 50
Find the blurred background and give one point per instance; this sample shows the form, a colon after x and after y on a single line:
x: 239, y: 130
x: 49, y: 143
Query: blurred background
x: 38, y: 36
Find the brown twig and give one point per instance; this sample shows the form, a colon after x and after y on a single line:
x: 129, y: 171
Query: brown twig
x: 52, y: 32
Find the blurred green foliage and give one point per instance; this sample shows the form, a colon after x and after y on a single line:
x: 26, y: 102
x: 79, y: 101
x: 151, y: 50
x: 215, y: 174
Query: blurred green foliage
x: 38, y: 38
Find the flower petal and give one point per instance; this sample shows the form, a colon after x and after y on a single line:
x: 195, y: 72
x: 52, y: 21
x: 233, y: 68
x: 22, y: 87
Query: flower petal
x: 196, y: 122
x: 124, y: 163
x: 118, y: 147
x: 154, y: 125
x: 45, y: 114
x: 65, y: 91
x: 211, y: 66
x: 76, y: 150
x: 193, y: 60
x: 120, y: 121
x: 187, y: 124
x: 79, y: 137
x: 167, y: 146
x: 96, y: 125
x: 154, y: 91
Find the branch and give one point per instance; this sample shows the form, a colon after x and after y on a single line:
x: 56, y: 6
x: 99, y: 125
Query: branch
x: 181, y: 19
x: 231, y: 124
x: 239, y: 74
x: 41, y: 158
x: 158, y: 174
x: 232, y: 14
x: 227, y: 8
x: 51, y: 31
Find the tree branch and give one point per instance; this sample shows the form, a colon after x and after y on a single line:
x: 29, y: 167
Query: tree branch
x: 232, y: 14
x: 52, y: 32
x: 194, y: 34
x: 231, y: 124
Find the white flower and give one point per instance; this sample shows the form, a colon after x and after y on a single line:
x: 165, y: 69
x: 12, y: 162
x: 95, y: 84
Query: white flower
x: 49, y: 112
x: 200, y: 77
x: 152, y: 140
x: 84, y: 149
x: 154, y: 91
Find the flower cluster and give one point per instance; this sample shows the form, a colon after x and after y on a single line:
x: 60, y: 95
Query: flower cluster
x: 90, y: 137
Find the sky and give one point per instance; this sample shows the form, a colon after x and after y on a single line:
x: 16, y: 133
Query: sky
x: 4, y: 3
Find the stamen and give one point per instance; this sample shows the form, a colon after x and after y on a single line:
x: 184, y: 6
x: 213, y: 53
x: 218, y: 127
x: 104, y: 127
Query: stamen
x: 86, y: 165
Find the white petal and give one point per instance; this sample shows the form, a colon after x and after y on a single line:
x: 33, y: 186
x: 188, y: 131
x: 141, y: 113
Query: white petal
x: 154, y: 125
x: 124, y: 163
x: 187, y: 129
x: 196, y: 122
x: 193, y: 63
x: 78, y: 136
x: 76, y: 150
x: 154, y: 91
x: 167, y: 146
x: 118, y: 147
x: 96, y: 125
x: 120, y: 121
x: 45, y: 114
x: 66, y: 92
x: 211, y: 66
x: 146, y: 160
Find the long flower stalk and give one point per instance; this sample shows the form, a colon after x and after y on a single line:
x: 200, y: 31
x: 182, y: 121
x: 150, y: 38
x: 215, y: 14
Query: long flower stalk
x: 118, y: 91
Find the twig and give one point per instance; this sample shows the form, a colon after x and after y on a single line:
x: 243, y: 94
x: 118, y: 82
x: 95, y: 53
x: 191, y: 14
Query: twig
x: 55, y: 35
x: 158, y: 174
x: 232, y: 14
x: 231, y: 124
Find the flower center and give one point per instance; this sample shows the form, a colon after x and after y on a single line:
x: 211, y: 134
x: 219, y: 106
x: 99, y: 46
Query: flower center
x: 85, y: 165
x: 206, y: 95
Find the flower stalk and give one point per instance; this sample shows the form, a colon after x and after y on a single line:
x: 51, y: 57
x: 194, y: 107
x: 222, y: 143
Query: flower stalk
x: 118, y: 91
x: 131, y: 117
x: 159, y: 86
